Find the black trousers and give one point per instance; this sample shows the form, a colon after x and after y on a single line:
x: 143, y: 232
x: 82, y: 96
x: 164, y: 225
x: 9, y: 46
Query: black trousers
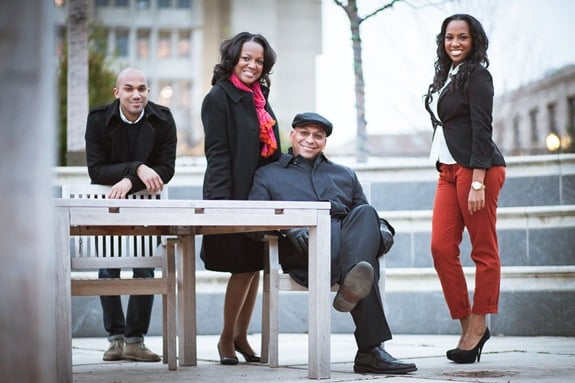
x: 354, y: 238
x: 135, y: 324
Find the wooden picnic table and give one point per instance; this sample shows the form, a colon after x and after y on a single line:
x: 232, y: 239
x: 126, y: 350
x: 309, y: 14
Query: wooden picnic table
x: 185, y: 219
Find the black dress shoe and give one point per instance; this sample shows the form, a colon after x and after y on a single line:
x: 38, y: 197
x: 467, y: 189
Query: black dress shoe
x: 378, y: 361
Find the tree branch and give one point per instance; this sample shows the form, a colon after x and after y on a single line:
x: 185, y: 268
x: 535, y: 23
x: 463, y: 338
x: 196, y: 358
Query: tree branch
x: 383, y: 8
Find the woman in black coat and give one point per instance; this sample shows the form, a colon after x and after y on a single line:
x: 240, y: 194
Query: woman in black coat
x: 241, y: 134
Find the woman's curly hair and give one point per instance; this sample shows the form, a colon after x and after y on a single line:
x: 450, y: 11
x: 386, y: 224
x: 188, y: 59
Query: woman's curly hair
x: 477, y: 56
x: 230, y: 51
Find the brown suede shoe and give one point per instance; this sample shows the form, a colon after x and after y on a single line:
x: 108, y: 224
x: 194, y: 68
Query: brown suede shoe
x: 356, y: 285
x: 115, y: 351
x: 140, y: 353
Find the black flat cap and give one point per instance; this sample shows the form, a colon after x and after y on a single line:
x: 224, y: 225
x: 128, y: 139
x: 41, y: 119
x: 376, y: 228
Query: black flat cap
x: 312, y: 118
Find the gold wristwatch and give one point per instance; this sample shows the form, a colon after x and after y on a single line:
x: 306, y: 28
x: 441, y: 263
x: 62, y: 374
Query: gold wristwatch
x: 476, y: 185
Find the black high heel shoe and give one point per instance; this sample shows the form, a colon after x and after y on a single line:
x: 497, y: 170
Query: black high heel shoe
x: 469, y: 356
x: 226, y: 360
x: 449, y: 353
x: 249, y: 358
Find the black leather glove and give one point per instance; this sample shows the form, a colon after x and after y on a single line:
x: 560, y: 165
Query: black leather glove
x: 257, y: 236
x: 299, y: 239
x: 386, y: 233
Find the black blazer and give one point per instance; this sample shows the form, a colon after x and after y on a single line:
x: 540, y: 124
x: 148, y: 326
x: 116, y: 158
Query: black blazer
x: 467, y: 122
x: 107, y: 154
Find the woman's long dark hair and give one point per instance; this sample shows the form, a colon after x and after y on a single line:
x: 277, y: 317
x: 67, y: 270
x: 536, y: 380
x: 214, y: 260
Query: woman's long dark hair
x: 230, y: 51
x: 477, y: 56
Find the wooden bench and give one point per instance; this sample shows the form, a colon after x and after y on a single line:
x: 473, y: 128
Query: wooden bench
x: 89, y: 253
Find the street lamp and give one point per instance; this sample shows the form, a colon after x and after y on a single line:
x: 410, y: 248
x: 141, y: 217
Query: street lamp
x: 553, y: 142
x: 566, y: 142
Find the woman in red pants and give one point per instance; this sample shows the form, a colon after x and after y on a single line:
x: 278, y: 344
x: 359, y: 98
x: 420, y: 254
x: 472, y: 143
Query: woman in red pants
x: 471, y: 174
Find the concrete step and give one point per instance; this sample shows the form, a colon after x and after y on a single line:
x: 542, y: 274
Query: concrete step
x: 528, y: 236
x: 535, y: 300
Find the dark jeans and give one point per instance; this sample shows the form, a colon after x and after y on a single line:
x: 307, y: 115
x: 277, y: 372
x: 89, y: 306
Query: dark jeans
x: 135, y: 325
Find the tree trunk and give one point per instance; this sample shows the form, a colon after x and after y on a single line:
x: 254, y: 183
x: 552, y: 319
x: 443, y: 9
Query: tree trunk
x: 77, y: 81
x: 361, y: 150
x: 355, y: 21
x: 361, y: 125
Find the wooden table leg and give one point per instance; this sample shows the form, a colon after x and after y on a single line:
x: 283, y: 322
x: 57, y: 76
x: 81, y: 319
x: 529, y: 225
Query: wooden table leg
x: 187, y: 301
x: 63, y: 298
x: 319, y: 312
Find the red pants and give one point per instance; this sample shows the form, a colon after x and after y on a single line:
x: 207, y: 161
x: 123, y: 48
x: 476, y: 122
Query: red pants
x: 450, y: 217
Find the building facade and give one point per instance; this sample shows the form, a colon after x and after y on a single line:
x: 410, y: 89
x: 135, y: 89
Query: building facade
x: 176, y: 42
x: 538, y: 118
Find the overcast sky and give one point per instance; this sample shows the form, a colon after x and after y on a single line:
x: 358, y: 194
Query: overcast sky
x: 527, y: 39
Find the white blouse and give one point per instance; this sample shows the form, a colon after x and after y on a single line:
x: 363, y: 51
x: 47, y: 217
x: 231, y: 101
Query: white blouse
x: 439, y: 151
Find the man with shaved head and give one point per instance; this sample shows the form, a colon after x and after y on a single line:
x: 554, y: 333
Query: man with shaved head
x: 130, y: 145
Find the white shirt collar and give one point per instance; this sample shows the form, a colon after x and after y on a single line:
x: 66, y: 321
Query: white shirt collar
x: 453, y: 71
x: 125, y: 119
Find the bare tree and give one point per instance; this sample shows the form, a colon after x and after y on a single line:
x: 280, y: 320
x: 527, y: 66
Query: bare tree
x: 355, y: 21
x: 77, y: 79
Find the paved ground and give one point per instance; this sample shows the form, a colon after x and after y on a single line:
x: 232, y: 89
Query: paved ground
x: 505, y: 359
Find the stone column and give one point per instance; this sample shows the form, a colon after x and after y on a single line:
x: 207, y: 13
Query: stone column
x: 27, y: 150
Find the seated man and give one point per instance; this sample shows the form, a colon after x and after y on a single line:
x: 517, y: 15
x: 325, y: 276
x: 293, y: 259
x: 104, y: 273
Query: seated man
x: 358, y: 236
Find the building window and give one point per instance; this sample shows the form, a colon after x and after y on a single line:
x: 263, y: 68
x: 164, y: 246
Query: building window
x: 552, y: 117
x: 184, y: 3
x: 571, y: 112
x: 143, y: 48
x: 184, y: 43
x: 100, y: 42
x: 571, y: 122
x: 533, y: 127
x: 164, y: 38
x: 163, y: 4
x: 142, y: 4
x: 121, y: 3
x: 101, y: 3
x: 121, y: 47
x: 516, y: 136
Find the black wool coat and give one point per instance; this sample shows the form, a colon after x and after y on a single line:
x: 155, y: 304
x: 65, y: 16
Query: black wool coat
x: 232, y: 148
x: 292, y: 178
x: 107, y: 155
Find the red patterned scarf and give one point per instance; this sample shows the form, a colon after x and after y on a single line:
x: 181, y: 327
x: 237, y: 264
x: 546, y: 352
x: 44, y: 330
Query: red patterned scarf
x: 267, y: 123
